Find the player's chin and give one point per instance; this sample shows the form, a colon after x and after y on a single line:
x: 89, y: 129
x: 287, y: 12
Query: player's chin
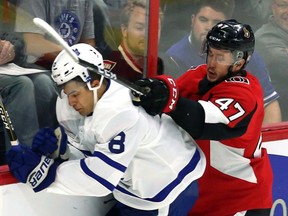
x: 82, y: 112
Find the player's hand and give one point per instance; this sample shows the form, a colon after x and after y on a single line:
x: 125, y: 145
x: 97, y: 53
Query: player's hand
x: 162, y: 95
x: 51, y: 142
x: 30, y: 168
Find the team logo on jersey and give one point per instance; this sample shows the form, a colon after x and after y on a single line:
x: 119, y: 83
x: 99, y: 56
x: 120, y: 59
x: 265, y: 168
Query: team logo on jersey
x: 246, y: 32
x: 238, y: 79
x: 68, y: 26
x: 109, y: 65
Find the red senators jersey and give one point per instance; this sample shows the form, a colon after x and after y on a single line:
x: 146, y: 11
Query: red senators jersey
x: 238, y: 176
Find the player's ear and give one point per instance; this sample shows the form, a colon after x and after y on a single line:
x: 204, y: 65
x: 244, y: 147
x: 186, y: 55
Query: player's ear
x: 95, y: 83
x: 239, y: 64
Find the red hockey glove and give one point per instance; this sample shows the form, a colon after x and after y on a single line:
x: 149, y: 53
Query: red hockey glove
x: 162, y: 95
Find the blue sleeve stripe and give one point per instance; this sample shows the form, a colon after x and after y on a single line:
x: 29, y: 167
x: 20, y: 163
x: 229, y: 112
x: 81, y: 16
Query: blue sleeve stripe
x: 86, y: 153
x: 109, y: 161
x: 165, y: 192
x: 101, y: 180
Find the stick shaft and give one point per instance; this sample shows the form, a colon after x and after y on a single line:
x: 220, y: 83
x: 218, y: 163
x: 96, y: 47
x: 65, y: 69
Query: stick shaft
x: 8, y: 124
x: 44, y: 26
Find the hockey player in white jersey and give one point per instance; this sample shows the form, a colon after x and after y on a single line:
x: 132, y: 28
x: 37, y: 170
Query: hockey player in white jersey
x: 149, y: 163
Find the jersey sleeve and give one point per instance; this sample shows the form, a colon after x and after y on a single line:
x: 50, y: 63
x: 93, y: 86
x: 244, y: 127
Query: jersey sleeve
x: 230, y: 103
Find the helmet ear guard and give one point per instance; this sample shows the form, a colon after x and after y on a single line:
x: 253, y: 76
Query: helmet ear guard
x: 237, y: 63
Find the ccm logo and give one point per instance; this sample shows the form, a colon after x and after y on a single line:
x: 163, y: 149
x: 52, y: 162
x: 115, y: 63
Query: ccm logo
x: 106, y: 74
x: 5, y: 119
x: 40, y: 172
x: 174, y: 94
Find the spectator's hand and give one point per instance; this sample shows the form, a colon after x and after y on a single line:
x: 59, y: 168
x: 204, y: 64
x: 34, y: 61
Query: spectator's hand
x: 7, y: 52
x: 52, y: 143
x: 162, y: 95
x: 30, y: 168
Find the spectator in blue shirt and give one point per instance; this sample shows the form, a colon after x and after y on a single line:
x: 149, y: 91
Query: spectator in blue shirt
x: 187, y: 52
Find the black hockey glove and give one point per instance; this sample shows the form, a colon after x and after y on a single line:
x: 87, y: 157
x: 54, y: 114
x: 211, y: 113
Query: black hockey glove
x: 162, y: 95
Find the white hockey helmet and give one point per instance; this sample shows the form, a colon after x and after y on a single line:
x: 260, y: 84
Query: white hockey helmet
x: 65, y: 69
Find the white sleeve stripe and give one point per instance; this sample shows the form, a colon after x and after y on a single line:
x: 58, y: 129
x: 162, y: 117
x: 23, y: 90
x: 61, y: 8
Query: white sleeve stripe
x: 109, y: 161
x: 101, y: 180
x: 212, y: 113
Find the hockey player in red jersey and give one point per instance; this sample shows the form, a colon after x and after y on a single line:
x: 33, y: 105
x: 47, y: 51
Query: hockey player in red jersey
x: 221, y: 105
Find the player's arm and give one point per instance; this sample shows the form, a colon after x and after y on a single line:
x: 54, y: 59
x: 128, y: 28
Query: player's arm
x: 203, y: 120
x: 212, y: 119
x: 98, y: 174
x: 184, y: 116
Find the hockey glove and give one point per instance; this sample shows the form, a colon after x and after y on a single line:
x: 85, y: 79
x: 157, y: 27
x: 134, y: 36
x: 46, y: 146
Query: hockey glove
x: 30, y: 168
x: 52, y: 143
x: 162, y: 95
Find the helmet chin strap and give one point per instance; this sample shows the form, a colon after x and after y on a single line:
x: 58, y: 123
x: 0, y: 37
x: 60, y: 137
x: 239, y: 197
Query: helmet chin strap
x: 95, y: 96
x: 95, y: 89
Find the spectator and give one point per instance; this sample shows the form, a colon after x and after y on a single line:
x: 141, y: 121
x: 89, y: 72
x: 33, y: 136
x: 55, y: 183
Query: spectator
x: 186, y: 52
x: 256, y: 13
x: 175, y: 23
x: 128, y: 61
x: 272, y: 44
x: 23, y: 94
x: 221, y: 106
x: 122, y: 144
x: 73, y: 20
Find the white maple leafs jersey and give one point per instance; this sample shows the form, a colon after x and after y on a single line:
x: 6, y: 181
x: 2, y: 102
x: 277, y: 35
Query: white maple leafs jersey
x: 145, y: 161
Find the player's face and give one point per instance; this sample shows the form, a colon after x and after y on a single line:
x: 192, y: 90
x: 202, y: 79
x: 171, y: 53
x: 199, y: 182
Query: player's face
x: 218, y: 63
x: 203, y: 22
x: 134, y: 32
x: 280, y: 12
x: 79, y: 97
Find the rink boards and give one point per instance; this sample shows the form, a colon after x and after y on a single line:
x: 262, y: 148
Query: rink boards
x: 17, y: 199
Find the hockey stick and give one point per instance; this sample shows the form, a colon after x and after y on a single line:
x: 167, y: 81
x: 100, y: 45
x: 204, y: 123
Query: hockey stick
x: 44, y: 26
x: 8, y: 124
